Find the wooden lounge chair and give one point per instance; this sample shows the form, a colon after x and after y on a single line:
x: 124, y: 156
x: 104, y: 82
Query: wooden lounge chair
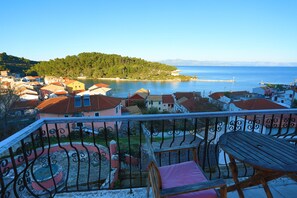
x: 182, y: 180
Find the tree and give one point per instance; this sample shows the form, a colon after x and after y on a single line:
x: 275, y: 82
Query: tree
x: 98, y: 65
x: 7, y: 99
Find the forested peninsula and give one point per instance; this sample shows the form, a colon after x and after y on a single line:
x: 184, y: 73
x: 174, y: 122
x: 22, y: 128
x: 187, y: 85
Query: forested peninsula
x: 99, y: 65
x: 15, y: 64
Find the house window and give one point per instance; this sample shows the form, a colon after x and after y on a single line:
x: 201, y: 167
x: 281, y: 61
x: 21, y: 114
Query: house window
x: 77, y: 101
x: 159, y: 102
x: 97, y: 114
x: 87, y: 100
x: 117, y: 110
x: 66, y: 115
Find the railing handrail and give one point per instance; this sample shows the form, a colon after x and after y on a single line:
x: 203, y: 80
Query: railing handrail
x: 167, y: 116
x: 17, y: 137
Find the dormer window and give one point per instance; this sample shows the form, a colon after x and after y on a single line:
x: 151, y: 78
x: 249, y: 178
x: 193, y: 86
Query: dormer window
x: 77, y: 101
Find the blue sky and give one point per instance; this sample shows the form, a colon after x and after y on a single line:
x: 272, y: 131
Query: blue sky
x: 206, y: 30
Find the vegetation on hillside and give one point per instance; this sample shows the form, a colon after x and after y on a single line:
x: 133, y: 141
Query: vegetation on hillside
x: 15, y: 64
x: 98, y: 65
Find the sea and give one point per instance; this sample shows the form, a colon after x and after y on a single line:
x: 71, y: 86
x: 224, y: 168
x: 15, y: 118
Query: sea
x: 245, y: 79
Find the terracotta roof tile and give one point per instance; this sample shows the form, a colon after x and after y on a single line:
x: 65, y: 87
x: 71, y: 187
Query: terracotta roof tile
x: 27, y: 104
x: 52, y: 88
x: 61, y: 92
x: 167, y: 99
x: 216, y: 95
x: 257, y: 104
x: 65, y: 105
x: 101, y: 85
x: 137, y: 96
x: 188, y: 95
x: 193, y: 105
x: 233, y: 94
x: 70, y: 81
x: 57, y: 83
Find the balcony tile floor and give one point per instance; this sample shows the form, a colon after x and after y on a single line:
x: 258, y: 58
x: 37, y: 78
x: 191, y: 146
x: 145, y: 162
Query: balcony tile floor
x: 280, y: 188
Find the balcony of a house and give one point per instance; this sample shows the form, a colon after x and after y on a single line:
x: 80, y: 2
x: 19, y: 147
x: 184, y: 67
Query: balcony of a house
x: 281, y: 188
x: 108, y: 156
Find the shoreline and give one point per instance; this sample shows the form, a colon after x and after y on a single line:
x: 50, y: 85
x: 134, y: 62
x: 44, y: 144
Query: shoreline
x: 169, y: 80
x: 136, y: 80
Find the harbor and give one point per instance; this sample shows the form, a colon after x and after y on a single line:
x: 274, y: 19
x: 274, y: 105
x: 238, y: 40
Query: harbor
x: 214, y: 80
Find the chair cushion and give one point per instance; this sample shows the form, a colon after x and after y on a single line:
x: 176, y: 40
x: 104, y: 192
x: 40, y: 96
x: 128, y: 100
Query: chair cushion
x: 183, y: 174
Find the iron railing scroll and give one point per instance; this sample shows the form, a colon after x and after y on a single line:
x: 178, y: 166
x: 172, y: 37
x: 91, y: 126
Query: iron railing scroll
x: 56, y: 155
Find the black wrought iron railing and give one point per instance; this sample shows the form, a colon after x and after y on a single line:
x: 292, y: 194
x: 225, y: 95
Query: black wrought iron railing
x: 57, y: 155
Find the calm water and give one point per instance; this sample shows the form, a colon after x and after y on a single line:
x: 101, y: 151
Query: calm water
x: 245, y: 78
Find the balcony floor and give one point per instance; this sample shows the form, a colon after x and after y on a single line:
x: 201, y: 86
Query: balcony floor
x: 281, y: 188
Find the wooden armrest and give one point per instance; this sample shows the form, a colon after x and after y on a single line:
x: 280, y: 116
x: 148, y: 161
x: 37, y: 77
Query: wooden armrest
x: 175, y: 148
x: 193, y: 187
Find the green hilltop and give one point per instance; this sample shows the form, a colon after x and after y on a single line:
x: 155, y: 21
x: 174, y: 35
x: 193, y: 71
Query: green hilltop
x: 15, y: 64
x: 99, y: 65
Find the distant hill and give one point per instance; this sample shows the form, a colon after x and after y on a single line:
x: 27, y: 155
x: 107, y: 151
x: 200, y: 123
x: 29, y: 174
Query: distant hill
x: 99, y: 65
x: 181, y: 62
x: 15, y: 64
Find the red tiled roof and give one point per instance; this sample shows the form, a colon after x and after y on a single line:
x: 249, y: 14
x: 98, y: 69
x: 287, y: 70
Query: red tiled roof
x: 67, y: 82
x: 138, y: 96
x: 61, y: 92
x: 190, y: 105
x: 101, y: 85
x: 216, y: 95
x: 167, y: 99
x: 5, y: 83
x: 193, y: 105
x: 188, y: 95
x: 257, y: 104
x: 52, y: 88
x: 238, y: 93
x: 57, y: 83
x: 65, y: 105
x: 27, y: 104
x: 232, y: 94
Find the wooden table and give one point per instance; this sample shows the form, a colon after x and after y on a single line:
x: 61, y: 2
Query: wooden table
x: 270, y: 157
